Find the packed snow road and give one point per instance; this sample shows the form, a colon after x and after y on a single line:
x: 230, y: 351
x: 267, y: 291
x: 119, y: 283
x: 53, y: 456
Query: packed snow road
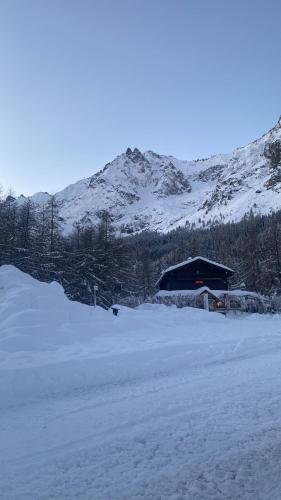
x: 158, y: 403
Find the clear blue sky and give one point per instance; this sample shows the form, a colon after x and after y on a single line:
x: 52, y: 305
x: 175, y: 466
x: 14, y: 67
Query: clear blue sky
x: 83, y: 79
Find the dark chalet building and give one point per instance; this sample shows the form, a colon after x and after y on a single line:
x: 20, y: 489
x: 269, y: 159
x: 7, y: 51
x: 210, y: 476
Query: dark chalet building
x: 195, y: 273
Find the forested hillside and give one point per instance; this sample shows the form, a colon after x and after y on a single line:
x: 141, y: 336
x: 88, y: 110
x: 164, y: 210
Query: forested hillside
x: 31, y: 238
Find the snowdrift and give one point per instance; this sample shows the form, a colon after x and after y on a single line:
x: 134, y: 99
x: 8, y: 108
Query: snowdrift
x: 158, y: 402
x: 38, y: 316
x: 49, y: 344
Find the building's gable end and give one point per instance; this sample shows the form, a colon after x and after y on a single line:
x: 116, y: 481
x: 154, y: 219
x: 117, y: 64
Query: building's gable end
x: 195, y: 273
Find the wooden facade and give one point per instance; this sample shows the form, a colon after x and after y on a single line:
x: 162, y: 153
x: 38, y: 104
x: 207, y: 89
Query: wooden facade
x: 195, y: 273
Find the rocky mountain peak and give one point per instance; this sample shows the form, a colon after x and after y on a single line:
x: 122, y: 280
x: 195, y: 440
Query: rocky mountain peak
x: 135, y: 155
x: 156, y: 192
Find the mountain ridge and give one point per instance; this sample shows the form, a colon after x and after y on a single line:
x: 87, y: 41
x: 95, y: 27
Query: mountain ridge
x: 149, y: 191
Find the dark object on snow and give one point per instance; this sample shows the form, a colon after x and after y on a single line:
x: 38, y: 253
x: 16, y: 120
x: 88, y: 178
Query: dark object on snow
x: 115, y: 311
x: 195, y: 273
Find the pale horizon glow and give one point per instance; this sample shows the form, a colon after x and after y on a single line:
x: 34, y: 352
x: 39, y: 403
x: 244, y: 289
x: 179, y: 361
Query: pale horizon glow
x: 82, y: 81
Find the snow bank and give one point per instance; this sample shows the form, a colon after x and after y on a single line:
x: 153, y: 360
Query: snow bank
x: 48, y: 343
x: 158, y: 402
x: 38, y: 316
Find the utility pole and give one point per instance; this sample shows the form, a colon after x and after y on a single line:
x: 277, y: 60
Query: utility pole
x: 96, y: 288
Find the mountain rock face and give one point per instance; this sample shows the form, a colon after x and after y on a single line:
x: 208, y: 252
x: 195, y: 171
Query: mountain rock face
x: 156, y: 192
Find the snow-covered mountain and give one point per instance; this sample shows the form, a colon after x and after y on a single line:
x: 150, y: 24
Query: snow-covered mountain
x: 152, y: 191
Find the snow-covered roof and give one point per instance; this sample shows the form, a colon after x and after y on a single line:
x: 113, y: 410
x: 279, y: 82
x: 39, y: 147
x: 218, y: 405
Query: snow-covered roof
x: 199, y: 291
x: 189, y: 261
x: 187, y: 293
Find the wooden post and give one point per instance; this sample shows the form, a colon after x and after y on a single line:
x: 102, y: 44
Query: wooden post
x: 206, y: 301
x: 95, y: 294
x: 227, y: 302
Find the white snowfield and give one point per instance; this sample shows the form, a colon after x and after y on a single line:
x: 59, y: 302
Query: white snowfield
x: 157, y: 403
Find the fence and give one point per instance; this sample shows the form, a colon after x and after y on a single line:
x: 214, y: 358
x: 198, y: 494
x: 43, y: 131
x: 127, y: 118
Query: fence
x: 244, y: 303
x: 250, y: 303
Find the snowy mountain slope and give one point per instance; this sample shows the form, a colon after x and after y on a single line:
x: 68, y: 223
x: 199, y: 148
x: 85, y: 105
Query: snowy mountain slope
x: 151, y: 191
x: 157, y: 403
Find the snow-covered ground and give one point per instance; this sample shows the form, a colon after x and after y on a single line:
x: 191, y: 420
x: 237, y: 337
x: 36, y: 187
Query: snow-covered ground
x: 157, y: 403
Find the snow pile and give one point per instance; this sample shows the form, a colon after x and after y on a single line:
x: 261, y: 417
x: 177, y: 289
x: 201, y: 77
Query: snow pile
x: 38, y: 316
x: 47, y: 342
x: 157, y: 403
